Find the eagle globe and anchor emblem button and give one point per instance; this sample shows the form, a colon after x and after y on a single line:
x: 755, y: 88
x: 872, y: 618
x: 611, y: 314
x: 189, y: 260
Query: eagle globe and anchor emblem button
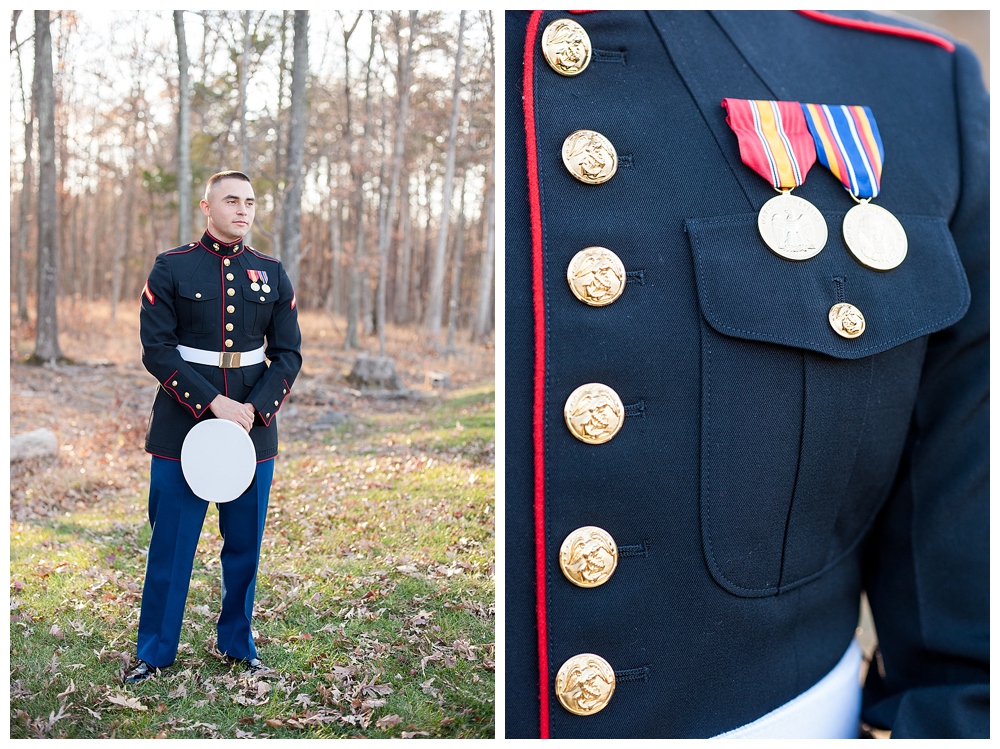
x: 596, y: 276
x: 589, y: 156
x: 594, y: 413
x: 588, y: 557
x: 566, y: 47
x: 847, y: 320
x: 791, y: 227
x: 585, y: 684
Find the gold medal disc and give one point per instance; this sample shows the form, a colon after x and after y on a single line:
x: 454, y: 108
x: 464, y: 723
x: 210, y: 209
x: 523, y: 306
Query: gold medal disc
x: 255, y: 286
x: 874, y: 236
x: 791, y: 227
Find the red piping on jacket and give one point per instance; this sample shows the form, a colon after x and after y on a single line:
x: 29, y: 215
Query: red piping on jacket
x: 538, y: 411
x: 879, y: 28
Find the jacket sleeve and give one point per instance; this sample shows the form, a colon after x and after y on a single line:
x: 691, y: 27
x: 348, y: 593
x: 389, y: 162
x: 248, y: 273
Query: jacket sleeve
x: 158, y: 334
x: 283, y: 352
x: 927, y: 568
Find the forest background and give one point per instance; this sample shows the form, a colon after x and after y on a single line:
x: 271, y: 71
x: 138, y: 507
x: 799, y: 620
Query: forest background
x: 369, y: 137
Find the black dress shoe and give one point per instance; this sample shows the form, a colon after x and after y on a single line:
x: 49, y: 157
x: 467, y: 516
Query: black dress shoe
x: 253, y: 665
x: 140, y: 673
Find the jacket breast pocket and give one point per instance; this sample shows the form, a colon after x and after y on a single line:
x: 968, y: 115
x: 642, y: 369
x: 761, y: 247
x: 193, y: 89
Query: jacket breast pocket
x: 802, y: 429
x: 257, y: 308
x: 196, y: 307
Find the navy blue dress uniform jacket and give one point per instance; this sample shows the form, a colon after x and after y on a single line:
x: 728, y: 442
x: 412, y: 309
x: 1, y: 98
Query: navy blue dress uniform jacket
x: 768, y: 471
x: 199, y: 295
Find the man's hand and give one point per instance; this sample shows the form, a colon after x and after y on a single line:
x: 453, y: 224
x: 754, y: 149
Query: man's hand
x: 227, y: 408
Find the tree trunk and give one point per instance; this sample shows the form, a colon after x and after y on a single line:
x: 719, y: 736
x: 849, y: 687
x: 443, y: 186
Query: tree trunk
x: 482, y: 327
x: 24, y: 211
x: 183, y: 134
x: 456, y: 272
x: 291, y: 222
x: 334, y: 305
x: 244, y: 74
x: 435, y: 301
x: 405, y: 255
x: 47, y: 323
x: 403, y: 81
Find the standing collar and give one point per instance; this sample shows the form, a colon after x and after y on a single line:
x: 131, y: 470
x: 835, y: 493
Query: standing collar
x: 220, y: 248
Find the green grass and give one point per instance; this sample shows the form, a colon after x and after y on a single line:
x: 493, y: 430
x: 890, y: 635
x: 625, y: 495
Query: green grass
x: 374, y: 598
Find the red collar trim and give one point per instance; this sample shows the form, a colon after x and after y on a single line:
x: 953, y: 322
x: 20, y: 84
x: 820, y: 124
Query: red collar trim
x: 227, y: 245
x: 538, y: 409
x: 878, y: 28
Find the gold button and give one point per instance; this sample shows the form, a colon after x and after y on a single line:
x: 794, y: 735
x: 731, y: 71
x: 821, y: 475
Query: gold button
x: 847, y: 320
x: 226, y: 261
x: 187, y: 395
x: 566, y: 47
x: 588, y: 557
x: 197, y: 295
x: 174, y: 383
x: 276, y: 403
x: 594, y: 413
x: 197, y: 406
x: 269, y: 416
x: 229, y: 326
x: 262, y: 299
x: 229, y: 276
x: 589, y: 156
x: 230, y: 309
x: 229, y: 342
x: 596, y: 276
x: 585, y: 684
x: 231, y: 292
x: 283, y: 391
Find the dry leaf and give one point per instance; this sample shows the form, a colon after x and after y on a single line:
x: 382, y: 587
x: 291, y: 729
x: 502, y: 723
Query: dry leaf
x: 129, y: 702
x: 56, y: 632
x: 388, y: 721
x: 69, y: 690
x: 411, y: 734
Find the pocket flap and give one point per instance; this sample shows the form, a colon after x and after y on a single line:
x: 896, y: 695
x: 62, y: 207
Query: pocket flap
x: 198, y: 291
x: 746, y: 291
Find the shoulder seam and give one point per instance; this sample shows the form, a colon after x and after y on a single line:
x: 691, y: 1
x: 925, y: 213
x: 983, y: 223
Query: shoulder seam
x: 261, y: 255
x: 879, y: 28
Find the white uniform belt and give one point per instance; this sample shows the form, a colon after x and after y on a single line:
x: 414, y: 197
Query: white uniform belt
x: 224, y: 359
x: 830, y: 709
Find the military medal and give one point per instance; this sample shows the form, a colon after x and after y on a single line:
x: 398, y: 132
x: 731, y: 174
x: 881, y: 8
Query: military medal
x: 849, y: 145
x: 776, y: 143
x: 258, y: 280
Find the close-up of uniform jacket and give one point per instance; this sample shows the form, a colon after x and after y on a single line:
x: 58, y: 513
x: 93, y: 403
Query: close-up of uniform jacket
x: 703, y: 474
x: 223, y: 300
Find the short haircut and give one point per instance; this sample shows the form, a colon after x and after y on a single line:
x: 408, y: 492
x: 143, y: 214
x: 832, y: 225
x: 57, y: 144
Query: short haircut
x: 219, y: 176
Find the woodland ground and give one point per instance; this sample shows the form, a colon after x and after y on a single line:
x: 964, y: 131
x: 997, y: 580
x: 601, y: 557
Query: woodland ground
x: 375, y: 595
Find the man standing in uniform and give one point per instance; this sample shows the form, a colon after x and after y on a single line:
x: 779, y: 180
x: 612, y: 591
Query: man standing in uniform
x: 211, y: 312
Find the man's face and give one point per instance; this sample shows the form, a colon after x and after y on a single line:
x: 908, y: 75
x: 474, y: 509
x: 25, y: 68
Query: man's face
x: 229, y: 209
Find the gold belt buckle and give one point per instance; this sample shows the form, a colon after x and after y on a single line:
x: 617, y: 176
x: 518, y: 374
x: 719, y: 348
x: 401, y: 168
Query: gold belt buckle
x: 229, y: 359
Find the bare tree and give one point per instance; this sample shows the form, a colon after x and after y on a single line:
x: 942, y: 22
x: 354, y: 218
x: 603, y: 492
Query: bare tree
x: 47, y: 323
x: 244, y: 75
x: 24, y: 209
x: 291, y: 222
x: 351, y: 337
x: 183, y: 134
x: 456, y: 271
x: 482, y: 325
x: 435, y: 299
x: 403, y: 83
